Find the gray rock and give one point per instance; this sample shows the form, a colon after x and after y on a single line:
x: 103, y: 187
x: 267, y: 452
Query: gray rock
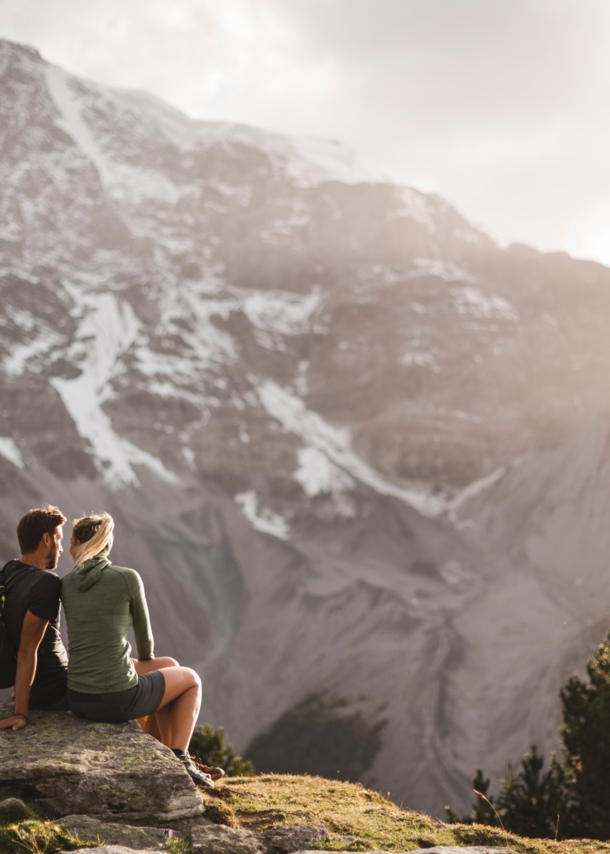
x: 285, y: 840
x: 13, y: 809
x: 111, y: 849
x: 438, y: 849
x: 64, y: 765
x: 459, y: 849
x: 217, y: 839
x: 87, y: 829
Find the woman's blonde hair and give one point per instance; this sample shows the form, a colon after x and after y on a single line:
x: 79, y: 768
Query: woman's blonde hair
x: 95, y: 535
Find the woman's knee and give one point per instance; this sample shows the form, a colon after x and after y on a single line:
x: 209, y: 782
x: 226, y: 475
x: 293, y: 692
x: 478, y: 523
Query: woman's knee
x: 178, y: 680
x: 193, y: 677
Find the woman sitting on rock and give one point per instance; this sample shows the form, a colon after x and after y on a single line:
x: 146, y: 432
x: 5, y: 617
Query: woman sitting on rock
x: 102, y: 602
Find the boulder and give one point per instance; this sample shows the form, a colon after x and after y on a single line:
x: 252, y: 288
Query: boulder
x: 87, y: 829
x: 208, y: 838
x: 218, y: 839
x: 13, y: 809
x: 462, y: 849
x: 111, y: 849
x: 285, y: 840
x: 61, y: 765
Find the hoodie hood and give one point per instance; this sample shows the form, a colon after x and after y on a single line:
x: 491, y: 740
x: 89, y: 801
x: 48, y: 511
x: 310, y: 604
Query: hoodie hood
x: 88, y: 573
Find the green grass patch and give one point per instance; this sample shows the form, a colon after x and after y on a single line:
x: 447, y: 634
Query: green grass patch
x: 38, y: 837
x: 366, y: 820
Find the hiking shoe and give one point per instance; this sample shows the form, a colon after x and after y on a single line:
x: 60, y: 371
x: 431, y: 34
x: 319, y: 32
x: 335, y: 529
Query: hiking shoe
x: 214, y: 773
x: 198, y: 777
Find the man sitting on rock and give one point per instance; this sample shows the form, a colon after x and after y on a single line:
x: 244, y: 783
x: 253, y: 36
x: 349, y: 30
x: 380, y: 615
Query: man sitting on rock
x: 31, y: 617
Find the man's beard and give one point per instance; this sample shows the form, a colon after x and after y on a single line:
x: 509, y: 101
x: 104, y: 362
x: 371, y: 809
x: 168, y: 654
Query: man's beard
x: 53, y: 557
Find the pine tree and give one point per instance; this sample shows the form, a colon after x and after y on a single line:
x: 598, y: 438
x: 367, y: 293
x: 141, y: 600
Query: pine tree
x: 531, y: 803
x: 572, y: 799
x: 482, y: 810
x: 586, y: 745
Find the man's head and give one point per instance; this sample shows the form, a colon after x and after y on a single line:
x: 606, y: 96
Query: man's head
x: 40, y: 532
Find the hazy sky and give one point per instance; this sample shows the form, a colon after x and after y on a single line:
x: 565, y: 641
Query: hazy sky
x: 502, y: 106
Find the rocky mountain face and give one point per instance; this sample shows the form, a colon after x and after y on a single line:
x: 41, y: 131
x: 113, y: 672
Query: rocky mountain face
x: 304, y: 393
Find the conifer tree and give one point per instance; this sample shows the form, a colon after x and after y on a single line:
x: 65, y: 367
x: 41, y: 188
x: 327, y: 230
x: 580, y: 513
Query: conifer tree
x: 571, y: 799
x: 531, y: 803
x: 482, y: 809
x: 586, y: 746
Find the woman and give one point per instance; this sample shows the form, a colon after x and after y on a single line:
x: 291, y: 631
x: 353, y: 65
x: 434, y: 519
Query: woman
x: 102, y: 602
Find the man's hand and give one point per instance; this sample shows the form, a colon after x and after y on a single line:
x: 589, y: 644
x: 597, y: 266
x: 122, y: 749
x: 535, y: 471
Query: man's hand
x: 15, y: 722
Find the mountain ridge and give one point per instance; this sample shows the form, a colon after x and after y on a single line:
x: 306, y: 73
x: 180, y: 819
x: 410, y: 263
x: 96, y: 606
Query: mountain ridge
x: 281, y: 390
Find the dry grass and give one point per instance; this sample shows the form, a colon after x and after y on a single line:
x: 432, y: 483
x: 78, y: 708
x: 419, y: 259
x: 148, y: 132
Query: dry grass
x: 361, y: 820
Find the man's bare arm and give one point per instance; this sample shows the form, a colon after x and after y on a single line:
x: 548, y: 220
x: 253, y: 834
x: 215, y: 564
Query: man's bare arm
x: 32, y: 633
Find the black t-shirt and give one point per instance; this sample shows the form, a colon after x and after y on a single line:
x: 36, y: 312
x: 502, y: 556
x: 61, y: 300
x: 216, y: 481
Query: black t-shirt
x: 38, y: 591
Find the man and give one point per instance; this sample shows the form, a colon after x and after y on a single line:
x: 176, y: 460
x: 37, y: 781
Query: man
x: 31, y: 617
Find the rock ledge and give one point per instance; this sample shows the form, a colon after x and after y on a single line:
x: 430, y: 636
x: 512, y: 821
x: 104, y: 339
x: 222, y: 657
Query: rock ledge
x: 62, y: 765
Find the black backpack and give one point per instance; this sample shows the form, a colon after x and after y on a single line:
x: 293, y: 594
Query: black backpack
x: 9, y: 576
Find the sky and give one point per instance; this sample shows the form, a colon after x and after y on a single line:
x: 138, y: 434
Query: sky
x: 501, y: 106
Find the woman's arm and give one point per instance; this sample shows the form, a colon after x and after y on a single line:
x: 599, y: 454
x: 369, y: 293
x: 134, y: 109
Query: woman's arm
x: 141, y: 620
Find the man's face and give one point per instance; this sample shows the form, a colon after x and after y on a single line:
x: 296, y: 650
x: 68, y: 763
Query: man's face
x: 54, y: 547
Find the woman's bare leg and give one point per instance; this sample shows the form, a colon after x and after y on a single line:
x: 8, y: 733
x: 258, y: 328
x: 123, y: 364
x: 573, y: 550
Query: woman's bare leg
x: 163, y: 724
x: 174, y: 721
x: 182, y: 698
x: 153, y: 664
x: 158, y: 724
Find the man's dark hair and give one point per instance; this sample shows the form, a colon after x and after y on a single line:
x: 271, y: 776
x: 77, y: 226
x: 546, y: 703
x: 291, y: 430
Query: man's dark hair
x: 35, y: 523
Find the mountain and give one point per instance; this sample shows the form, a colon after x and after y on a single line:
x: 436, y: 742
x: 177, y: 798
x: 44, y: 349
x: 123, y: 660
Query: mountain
x: 289, y: 380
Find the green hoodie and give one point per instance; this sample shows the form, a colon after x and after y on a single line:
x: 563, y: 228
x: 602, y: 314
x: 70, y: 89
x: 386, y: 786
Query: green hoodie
x: 102, y: 602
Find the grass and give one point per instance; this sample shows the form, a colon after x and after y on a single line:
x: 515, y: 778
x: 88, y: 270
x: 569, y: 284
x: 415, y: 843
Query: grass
x: 37, y: 837
x: 360, y: 820
x: 356, y: 818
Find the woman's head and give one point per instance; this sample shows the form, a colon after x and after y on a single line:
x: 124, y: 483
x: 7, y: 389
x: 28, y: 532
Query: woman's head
x: 91, y: 536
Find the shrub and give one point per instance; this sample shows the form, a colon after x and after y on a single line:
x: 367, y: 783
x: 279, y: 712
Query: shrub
x: 210, y: 747
x: 320, y: 737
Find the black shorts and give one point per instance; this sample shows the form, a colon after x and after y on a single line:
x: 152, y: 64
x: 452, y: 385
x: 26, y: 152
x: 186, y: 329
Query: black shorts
x: 58, y: 705
x: 136, y: 702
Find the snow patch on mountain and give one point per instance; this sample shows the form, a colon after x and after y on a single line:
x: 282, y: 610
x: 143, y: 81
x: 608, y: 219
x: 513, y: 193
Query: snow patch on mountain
x: 264, y: 520
x: 308, y: 161
x: 107, y: 330
x: 71, y: 120
x: 11, y: 452
x: 471, y: 491
x: 473, y: 301
x: 281, y: 311
x: 125, y: 182
x: 446, y: 270
x: 414, y: 205
x: 311, y: 161
x: 334, y: 444
x: 40, y: 339
x: 317, y: 474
